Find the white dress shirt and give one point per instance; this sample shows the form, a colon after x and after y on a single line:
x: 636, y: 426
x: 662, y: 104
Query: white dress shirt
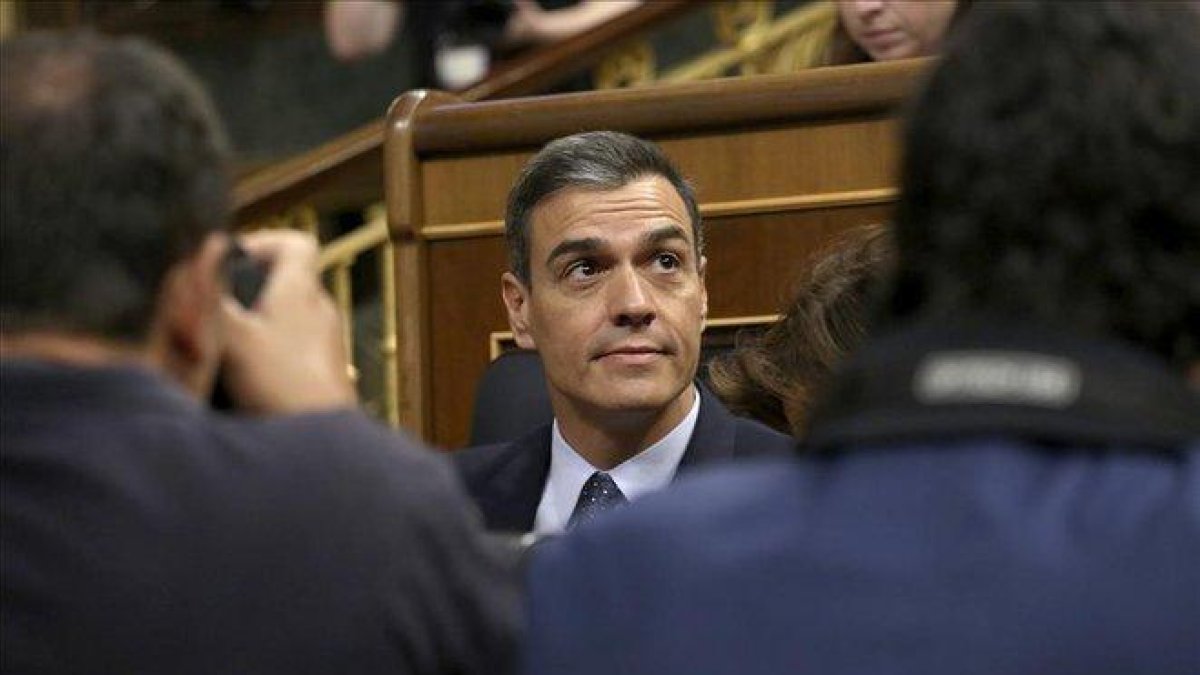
x: 647, y: 471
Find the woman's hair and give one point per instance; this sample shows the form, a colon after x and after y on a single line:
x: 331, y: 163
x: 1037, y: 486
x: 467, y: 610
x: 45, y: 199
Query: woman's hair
x: 773, y: 377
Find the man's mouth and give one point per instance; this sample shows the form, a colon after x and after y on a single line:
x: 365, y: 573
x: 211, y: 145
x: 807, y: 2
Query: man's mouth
x: 632, y: 354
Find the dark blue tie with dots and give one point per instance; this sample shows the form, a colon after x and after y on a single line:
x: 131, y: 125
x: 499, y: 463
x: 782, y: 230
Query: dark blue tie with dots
x: 599, y: 494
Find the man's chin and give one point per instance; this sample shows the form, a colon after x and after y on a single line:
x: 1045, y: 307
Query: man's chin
x: 637, y: 396
x: 633, y: 405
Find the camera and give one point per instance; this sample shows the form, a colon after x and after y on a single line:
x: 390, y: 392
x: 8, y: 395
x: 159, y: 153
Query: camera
x: 246, y: 277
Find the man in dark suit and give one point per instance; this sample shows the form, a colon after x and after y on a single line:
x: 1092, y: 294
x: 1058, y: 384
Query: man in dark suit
x: 1007, y: 477
x: 606, y: 281
x: 142, y: 531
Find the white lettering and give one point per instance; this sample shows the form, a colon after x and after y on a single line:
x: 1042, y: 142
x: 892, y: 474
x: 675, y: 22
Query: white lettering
x: 1024, y: 378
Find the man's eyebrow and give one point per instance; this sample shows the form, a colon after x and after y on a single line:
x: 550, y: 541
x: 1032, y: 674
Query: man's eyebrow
x: 664, y: 234
x: 592, y: 244
x: 569, y: 246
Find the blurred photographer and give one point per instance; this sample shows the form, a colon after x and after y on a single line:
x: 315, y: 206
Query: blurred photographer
x: 141, y: 531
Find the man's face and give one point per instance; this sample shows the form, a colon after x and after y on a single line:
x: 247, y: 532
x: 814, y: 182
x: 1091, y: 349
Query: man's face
x: 616, y: 299
x: 897, y: 29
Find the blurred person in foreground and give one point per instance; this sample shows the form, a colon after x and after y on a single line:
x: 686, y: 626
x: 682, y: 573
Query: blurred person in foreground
x: 774, y: 377
x: 1006, y: 477
x: 142, y: 531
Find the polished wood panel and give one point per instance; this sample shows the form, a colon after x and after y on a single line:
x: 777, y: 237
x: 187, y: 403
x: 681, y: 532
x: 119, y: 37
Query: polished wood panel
x: 405, y: 211
x: 488, y: 228
x: 776, y: 162
x: 820, y: 93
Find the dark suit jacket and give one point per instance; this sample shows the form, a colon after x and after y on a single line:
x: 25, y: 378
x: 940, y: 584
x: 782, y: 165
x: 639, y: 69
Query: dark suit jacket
x: 1036, y: 509
x: 506, y: 480
x: 143, y: 533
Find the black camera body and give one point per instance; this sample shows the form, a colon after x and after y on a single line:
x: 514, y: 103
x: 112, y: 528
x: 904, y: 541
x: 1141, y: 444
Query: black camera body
x: 246, y: 277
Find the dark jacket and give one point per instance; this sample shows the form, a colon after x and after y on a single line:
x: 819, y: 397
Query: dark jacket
x: 143, y: 533
x: 987, y: 501
x: 506, y: 480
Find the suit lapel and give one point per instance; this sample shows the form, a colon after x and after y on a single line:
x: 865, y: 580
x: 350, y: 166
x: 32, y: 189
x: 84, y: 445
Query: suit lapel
x: 515, y: 488
x: 715, y: 432
x: 512, y: 492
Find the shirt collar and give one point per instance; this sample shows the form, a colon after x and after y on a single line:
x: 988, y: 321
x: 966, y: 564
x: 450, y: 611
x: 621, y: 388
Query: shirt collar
x: 649, y: 470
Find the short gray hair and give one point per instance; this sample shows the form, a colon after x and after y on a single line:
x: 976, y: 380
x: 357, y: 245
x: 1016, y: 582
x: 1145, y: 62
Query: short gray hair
x: 596, y: 160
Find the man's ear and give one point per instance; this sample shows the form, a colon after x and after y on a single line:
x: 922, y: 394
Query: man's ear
x: 516, y: 302
x: 703, y: 289
x: 190, y: 333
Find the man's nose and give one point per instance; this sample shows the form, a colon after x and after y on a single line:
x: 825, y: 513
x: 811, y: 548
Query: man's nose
x: 630, y: 300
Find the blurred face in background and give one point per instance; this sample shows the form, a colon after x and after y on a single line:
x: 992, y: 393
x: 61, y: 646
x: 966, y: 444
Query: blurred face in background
x: 897, y: 29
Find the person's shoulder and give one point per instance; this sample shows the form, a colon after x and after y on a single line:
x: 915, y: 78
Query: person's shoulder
x: 734, y: 489
x: 484, y: 460
x: 328, y: 434
x: 755, y: 438
x: 478, y: 458
x: 702, y: 529
x: 748, y: 437
x: 329, y: 450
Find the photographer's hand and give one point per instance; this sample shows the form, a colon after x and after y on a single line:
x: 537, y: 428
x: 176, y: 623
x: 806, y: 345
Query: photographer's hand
x: 285, y: 355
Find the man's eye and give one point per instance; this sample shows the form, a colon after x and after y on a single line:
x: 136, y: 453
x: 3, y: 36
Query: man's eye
x: 668, y: 261
x: 581, y: 270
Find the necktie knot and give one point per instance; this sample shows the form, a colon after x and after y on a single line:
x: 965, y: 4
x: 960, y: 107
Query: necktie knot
x: 599, y: 494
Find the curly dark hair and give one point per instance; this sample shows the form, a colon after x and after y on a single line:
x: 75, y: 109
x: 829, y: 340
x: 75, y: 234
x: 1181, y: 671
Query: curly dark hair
x: 773, y: 377
x: 1061, y: 184
x: 113, y: 167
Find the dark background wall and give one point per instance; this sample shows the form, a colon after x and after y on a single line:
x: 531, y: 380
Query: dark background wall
x: 272, y: 76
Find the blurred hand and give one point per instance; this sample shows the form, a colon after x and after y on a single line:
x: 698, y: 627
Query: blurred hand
x: 286, y: 355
